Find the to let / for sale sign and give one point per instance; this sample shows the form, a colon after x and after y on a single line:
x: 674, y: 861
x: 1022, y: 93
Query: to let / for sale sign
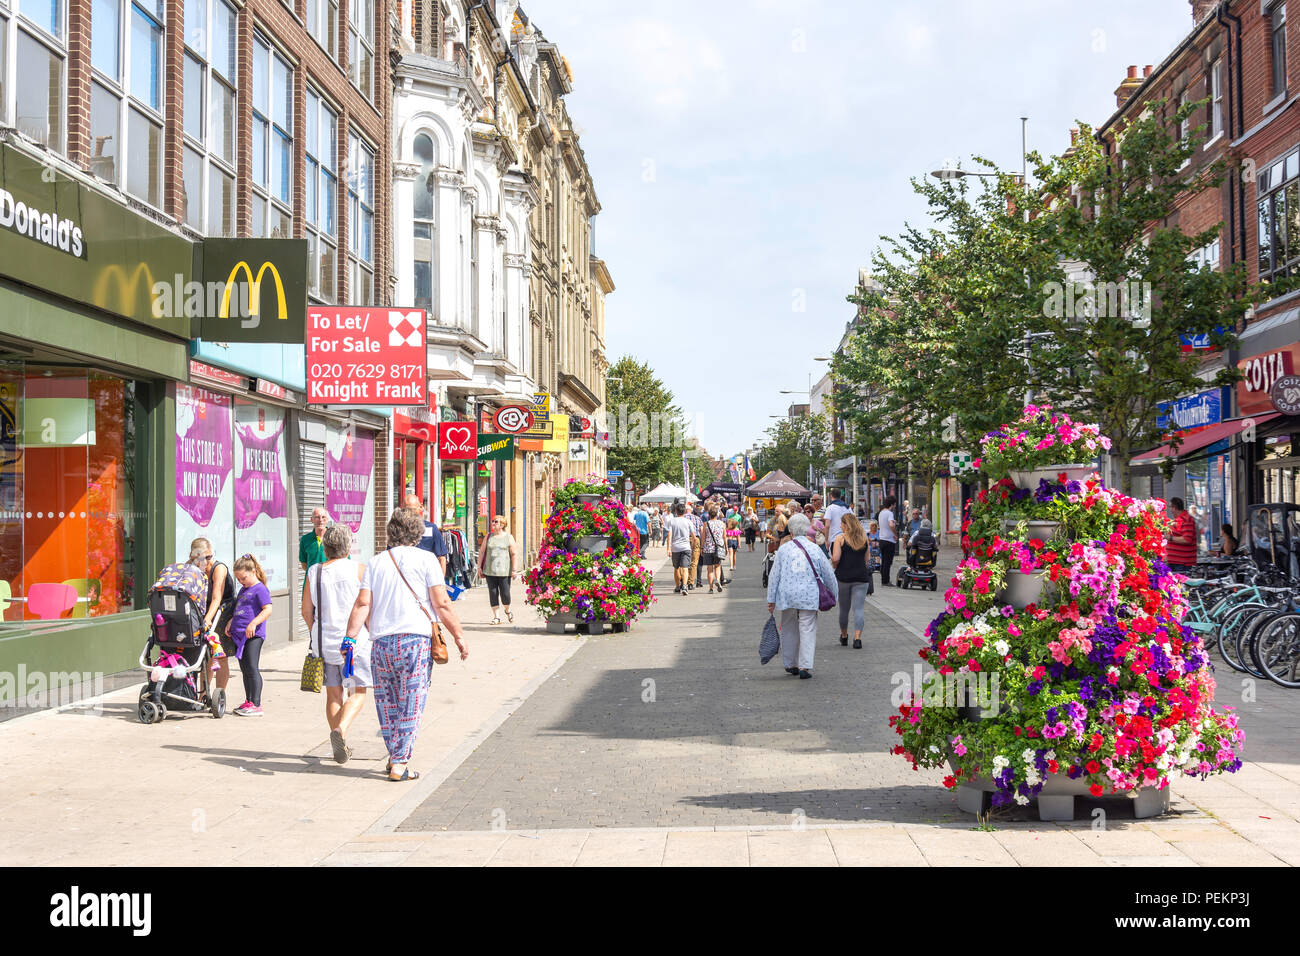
x: 364, y: 356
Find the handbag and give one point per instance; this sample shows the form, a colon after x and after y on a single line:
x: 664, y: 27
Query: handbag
x: 825, y: 597
x: 313, y: 665
x: 437, y: 646
x: 769, y: 645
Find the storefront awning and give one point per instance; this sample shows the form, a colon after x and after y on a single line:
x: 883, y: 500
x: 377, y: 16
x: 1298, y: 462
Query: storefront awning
x: 1201, y: 439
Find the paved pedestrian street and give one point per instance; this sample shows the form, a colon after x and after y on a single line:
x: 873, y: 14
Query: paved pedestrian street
x: 668, y: 746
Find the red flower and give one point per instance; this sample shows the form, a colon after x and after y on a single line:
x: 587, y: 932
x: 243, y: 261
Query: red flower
x: 950, y: 781
x: 1095, y: 790
x: 1093, y: 767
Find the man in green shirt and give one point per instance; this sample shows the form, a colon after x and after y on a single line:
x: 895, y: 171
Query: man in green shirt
x: 310, y: 549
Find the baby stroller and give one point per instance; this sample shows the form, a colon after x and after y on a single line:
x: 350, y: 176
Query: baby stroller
x: 922, y: 556
x: 180, y: 679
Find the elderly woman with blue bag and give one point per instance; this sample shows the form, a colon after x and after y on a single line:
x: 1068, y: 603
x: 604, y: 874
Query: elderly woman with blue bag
x: 801, y: 583
x: 327, y: 602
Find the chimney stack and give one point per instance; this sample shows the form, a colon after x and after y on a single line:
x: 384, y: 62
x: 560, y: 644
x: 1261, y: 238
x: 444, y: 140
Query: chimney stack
x: 1202, y: 9
x: 1147, y: 71
x: 1127, y: 86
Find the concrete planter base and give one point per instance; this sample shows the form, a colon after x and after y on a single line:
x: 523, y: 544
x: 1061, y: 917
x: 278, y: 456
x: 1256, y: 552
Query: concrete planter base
x: 1022, y: 590
x: 1056, y: 801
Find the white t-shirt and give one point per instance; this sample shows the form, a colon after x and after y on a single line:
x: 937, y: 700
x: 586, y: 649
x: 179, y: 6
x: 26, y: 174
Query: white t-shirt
x: 338, y: 592
x: 886, y: 532
x: 392, y: 608
x: 679, y: 533
x: 835, y: 513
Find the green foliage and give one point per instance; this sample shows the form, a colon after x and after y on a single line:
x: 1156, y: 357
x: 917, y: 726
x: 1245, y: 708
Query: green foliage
x: 633, y: 389
x: 794, y: 445
x: 986, y: 302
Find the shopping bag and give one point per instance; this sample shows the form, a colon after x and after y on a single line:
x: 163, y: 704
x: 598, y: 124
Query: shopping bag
x: 770, y: 644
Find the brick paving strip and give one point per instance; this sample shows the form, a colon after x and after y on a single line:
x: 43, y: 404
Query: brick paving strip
x: 553, y: 733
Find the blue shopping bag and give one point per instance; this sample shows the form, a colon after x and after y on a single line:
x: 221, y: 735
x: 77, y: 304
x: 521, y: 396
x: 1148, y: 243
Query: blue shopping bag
x: 454, y: 592
x: 770, y: 644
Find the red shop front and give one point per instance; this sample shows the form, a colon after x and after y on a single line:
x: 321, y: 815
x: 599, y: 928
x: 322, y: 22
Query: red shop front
x: 415, y: 447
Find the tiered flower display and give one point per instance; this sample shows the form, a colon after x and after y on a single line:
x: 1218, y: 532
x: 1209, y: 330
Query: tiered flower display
x: 608, y: 586
x: 1097, y: 679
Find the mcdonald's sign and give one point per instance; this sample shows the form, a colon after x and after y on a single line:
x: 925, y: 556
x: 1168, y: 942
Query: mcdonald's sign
x: 263, y: 290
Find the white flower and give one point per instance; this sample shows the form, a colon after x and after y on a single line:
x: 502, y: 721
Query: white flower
x: 934, y: 749
x: 1051, y: 755
x: 1002, y: 647
x: 1000, y: 762
x: 1021, y: 800
x: 1031, y: 776
x: 1028, y: 755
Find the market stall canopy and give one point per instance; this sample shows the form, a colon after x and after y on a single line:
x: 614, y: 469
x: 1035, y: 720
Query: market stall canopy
x: 777, y: 484
x: 667, y: 494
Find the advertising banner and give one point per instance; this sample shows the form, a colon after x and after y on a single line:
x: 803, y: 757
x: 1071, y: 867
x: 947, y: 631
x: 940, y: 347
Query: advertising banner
x: 204, y: 460
x: 513, y: 419
x: 1258, y: 375
x: 457, y: 441
x: 350, y: 487
x: 261, y: 490
x: 364, y: 356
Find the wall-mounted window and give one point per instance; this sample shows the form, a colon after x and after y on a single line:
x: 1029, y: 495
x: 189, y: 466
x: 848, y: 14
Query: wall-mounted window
x: 323, y: 24
x: 1277, y: 17
x: 272, y: 141
x: 361, y: 45
x: 425, y: 229
x: 1216, y: 98
x: 209, y: 117
x: 126, y: 95
x: 321, y: 227
x: 1278, y: 187
x: 35, y: 43
x: 361, y: 221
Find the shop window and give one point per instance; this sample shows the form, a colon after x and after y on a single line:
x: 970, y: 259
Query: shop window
x: 69, y: 515
x: 272, y: 136
x: 322, y: 196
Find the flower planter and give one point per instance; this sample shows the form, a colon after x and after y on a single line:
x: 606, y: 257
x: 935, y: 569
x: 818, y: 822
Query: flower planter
x: 593, y: 543
x: 1022, y: 590
x: 1050, y: 473
x: 590, y: 499
x: 1056, y: 799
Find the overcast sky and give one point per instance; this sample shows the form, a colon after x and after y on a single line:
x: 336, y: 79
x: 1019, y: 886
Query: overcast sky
x: 748, y: 156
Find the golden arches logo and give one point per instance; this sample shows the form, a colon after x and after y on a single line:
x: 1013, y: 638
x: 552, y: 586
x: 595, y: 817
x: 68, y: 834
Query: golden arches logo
x: 125, y: 286
x: 254, y: 290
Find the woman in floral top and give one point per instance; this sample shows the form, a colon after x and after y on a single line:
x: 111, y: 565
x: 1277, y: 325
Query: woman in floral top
x: 713, y: 547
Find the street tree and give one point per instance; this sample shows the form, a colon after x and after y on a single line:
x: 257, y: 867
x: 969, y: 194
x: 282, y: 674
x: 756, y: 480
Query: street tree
x: 648, y: 429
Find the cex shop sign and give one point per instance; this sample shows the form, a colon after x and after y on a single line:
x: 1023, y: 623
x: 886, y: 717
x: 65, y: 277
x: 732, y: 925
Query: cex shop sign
x: 1259, y: 373
x: 361, y: 356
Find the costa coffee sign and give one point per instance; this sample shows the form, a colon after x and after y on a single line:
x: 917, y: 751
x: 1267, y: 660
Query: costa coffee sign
x: 458, y: 441
x: 1285, y: 394
x: 1260, y: 374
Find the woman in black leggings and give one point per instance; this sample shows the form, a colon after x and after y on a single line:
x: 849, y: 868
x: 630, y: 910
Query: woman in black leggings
x: 497, y: 559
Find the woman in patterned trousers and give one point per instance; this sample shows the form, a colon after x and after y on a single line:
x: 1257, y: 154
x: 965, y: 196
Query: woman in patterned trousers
x: 402, y: 593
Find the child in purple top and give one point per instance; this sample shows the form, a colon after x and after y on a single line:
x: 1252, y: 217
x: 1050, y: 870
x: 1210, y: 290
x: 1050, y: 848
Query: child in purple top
x: 247, y: 629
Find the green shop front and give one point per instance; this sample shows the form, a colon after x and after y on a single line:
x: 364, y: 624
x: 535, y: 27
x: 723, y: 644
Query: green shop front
x: 98, y: 309
x: 87, y: 379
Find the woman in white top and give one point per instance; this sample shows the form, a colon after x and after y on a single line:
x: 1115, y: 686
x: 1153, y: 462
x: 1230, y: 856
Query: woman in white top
x: 402, y: 592
x: 336, y: 583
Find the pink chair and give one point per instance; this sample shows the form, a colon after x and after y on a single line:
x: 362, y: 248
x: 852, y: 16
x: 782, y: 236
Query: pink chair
x: 49, y: 601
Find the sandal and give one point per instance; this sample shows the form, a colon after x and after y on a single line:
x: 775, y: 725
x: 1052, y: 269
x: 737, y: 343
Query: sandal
x: 496, y: 620
x: 407, y: 774
x: 510, y: 617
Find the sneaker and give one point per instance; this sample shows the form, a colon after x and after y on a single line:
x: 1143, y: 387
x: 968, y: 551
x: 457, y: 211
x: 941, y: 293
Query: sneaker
x: 253, y: 711
x: 242, y: 708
